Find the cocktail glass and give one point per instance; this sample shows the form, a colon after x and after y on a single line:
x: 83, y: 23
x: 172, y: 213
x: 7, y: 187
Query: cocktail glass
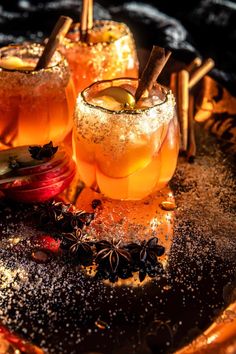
x: 123, y: 152
x: 108, y: 53
x: 35, y: 106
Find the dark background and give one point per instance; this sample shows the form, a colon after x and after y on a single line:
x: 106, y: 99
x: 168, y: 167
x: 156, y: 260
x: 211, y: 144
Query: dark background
x: 189, y: 28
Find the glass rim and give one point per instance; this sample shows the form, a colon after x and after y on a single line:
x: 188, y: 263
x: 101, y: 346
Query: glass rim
x: 164, y: 89
x: 30, y: 45
x: 124, y: 32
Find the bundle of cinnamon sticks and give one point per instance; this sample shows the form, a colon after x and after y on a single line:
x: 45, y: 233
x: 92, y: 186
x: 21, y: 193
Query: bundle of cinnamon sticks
x: 182, y: 84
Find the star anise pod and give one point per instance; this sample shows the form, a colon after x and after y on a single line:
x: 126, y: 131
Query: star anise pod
x: 52, y: 212
x: 79, y: 246
x: 112, y: 258
x: 81, y: 219
x: 146, y: 251
x: 144, y: 257
x: 62, y: 217
x: 43, y: 152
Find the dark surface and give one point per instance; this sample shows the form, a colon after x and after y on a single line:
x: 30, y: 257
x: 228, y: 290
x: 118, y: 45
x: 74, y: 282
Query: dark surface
x: 205, y: 28
x: 63, y: 311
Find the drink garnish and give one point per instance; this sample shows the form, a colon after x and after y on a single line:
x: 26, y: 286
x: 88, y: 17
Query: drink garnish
x: 47, y: 151
x: 155, y: 64
x: 86, y: 21
x: 15, y: 63
x: 59, y: 31
x: 30, y: 179
x: 119, y: 94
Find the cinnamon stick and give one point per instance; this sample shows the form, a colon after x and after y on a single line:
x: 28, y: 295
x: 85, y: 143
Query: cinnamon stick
x: 86, y: 21
x: 90, y: 15
x: 194, y: 65
x: 83, y: 20
x: 173, y: 83
x: 201, y: 71
x: 183, y: 100
x: 59, y: 31
x: 191, y: 152
x: 155, y: 64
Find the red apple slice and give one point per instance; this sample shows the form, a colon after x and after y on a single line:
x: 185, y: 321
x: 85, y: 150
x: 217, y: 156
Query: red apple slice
x: 28, y: 165
x: 39, y: 194
x: 44, y: 165
x: 24, y: 181
x: 42, y: 182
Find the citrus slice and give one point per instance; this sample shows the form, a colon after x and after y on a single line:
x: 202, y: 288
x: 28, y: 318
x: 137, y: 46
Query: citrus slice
x: 15, y: 63
x: 120, y: 94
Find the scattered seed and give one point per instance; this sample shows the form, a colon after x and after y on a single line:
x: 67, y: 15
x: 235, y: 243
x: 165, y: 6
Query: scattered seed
x: 168, y: 206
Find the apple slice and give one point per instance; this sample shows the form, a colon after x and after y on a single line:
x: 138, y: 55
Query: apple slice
x: 39, y: 194
x: 43, y: 177
x: 27, y: 165
x: 43, y: 183
x: 16, y: 63
x: 119, y: 94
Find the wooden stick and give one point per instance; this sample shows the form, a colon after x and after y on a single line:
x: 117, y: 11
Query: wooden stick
x: 83, y: 20
x: 86, y: 19
x: 59, y: 31
x: 200, y: 72
x: 194, y: 65
x: 90, y: 15
x: 183, y: 100
x: 155, y: 64
x: 173, y: 83
x: 191, y: 151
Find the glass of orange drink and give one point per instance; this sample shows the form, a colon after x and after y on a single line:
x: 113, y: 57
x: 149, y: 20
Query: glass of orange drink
x: 109, y: 52
x: 35, y: 106
x: 125, y: 150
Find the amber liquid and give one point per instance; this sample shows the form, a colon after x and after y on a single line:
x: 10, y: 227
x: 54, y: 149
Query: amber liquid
x: 101, y: 59
x: 35, y: 117
x: 143, y: 168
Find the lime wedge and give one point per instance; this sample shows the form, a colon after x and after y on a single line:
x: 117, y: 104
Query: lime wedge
x: 119, y: 94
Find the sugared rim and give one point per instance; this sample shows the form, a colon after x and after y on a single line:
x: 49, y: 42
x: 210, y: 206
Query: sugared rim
x: 29, y: 45
x: 165, y: 90
x: 124, y: 32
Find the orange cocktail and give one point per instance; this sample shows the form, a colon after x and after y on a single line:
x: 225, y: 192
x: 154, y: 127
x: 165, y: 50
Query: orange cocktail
x: 123, y: 149
x: 35, y: 106
x: 108, y: 52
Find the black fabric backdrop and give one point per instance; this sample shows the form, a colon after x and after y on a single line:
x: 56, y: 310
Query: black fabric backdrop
x: 197, y: 27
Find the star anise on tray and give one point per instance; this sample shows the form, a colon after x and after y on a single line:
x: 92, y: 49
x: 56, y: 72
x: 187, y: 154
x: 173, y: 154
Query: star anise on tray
x: 145, y: 257
x: 78, y: 245
x: 62, y: 216
x: 43, y: 152
x: 113, y: 261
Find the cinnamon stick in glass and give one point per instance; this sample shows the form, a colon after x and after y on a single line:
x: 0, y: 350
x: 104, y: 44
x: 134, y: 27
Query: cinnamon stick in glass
x: 90, y: 15
x: 58, y: 33
x: 155, y: 64
x: 86, y: 22
x: 83, y: 20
